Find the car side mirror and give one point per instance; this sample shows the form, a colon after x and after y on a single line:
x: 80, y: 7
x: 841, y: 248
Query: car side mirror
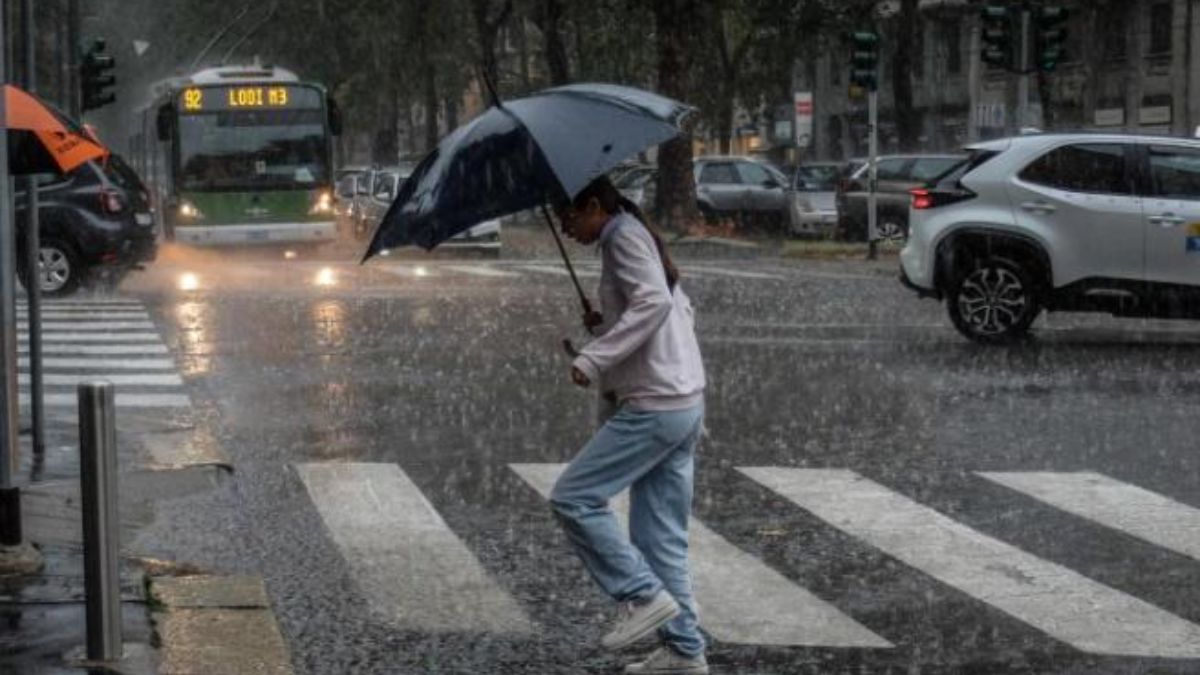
x: 771, y: 183
x: 165, y: 122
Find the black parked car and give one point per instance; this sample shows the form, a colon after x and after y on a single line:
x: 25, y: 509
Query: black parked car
x: 96, y: 223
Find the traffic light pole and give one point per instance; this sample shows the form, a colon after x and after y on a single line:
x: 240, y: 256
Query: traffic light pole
x: 873, y: 174
x: 1024, y: 72
x: 74, y: 44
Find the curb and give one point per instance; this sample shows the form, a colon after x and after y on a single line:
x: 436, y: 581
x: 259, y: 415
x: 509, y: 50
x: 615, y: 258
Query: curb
x: 216, y: 624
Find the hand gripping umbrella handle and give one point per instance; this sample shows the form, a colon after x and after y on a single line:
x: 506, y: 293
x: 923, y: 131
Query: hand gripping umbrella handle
x: 587, y: 306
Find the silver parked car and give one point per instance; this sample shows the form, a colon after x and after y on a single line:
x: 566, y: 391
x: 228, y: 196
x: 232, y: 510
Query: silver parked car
x: 742, y: 188
x: 813, y: 198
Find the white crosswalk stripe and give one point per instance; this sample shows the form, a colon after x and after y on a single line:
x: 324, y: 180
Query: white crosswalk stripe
x: 742, y: 599
x: 1058, y: 601
x: 411, y: 566
x: 63, y: 348
x: 113, y: 340
x: 482, y: 271
x: 1130, y: 509
x: 91, y: 325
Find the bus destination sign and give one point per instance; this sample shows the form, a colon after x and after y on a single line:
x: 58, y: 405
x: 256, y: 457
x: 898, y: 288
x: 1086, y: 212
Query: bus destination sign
x: 243, y: 97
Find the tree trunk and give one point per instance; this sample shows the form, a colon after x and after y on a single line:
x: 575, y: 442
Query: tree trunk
x: 487, y: 29
x: 908, y: 118
x: 549, y: 21
x: 430, y: 102
x: 676, y: 204
x: 725, y: 124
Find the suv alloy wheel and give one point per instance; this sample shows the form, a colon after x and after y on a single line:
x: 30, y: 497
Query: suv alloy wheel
x: 59, y: 270
x: 993, y: 301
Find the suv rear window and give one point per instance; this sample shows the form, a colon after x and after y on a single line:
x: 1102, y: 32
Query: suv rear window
x: 962, y: 167
x: 1088, y: 167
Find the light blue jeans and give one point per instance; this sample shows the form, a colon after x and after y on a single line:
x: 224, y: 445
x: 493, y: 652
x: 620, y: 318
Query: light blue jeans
x: 652, y: 454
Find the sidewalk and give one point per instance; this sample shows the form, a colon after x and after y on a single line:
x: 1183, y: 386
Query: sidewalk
x: 221, y: 625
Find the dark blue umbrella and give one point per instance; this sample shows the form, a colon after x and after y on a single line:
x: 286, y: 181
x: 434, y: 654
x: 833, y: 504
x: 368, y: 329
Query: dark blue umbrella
x: 523, y: 154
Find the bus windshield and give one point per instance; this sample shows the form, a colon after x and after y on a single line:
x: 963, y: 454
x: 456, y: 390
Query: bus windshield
x: 253, y: 149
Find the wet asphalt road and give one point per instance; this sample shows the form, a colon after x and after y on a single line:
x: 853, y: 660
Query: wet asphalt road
x: 453, y: 375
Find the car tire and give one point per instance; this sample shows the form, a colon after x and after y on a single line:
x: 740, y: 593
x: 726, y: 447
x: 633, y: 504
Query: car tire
x: 993, y: 300
x: 710, y: 216
x: 61, y: 268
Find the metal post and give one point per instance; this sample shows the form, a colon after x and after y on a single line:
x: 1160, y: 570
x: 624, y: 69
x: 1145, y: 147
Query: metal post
x: 101, y: 524
x: 33, y: 290
x: 1023, y: 76
x: 10, y: 496
x: 873, y: 175
x: 32, y: 249
x: 74, y: 95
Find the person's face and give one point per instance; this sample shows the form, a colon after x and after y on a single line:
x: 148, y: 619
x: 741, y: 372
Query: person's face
x: 583, y: 224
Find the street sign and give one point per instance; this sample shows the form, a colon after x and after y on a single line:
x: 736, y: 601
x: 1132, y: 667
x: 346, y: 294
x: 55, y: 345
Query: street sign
x: 803, y: 128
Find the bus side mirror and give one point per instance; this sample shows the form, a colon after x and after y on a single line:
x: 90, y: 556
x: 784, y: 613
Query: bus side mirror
x: 165, y: 122
x: 335, y: 116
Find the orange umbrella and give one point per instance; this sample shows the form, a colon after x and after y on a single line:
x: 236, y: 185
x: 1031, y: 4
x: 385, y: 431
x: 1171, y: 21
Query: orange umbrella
x: 41, y: 139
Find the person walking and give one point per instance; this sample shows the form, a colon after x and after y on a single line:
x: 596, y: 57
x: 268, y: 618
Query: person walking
x: 647, y: 357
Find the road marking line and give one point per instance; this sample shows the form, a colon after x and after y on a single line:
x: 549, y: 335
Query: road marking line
x: 84, y: 304
x: 1054, y: 599
x: 411, y: 566
x: 124, y: 380
x: 48, y: 338
x: 93, y: 364
x: 123, y: 400
x: 481, y: 271
x: 742, y: 600
x: 717, y: 271
x: 558, y: 271
x: 56, y: 348
x: 1130, y: 509
x: 59, y: 315
x: 91, y: 325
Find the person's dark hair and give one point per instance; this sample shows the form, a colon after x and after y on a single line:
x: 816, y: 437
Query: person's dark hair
x: 612, y: 201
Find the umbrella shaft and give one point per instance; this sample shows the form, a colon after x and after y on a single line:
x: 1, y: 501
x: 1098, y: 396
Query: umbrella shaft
x: 587, y: 306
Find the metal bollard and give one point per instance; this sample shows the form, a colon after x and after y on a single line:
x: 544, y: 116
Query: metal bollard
x: 101, y: 522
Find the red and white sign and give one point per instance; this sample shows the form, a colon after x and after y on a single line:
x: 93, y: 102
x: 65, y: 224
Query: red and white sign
x: 804, y: 118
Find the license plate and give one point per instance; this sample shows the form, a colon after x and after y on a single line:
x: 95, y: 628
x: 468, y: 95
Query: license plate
x: 143, y: 219
x: 256, y: 236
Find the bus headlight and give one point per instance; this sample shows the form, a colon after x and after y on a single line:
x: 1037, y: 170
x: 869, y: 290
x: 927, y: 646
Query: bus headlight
x: 189, y: 211
x: 323, y: 204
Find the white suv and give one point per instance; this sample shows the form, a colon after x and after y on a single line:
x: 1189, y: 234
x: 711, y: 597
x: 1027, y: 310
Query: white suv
x: 1062, y: 222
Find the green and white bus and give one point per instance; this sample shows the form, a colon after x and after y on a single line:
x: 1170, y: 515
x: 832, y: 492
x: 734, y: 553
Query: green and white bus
x: 240, y: 156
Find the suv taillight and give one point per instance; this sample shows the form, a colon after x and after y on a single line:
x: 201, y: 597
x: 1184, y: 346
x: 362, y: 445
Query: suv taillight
x: 111, y: 202
x: 926, y: 198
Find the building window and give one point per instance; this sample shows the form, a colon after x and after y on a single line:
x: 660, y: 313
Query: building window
x: 1160, y: 28
x: 951, y: 43
x: 1115, y: 34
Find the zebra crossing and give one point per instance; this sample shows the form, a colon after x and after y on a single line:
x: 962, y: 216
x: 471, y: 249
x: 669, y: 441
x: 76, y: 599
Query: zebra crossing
x: 110, y: 339
x: 403, y: 554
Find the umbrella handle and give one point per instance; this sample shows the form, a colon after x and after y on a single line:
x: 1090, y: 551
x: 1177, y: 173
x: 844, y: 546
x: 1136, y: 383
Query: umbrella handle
x: 587, y: 306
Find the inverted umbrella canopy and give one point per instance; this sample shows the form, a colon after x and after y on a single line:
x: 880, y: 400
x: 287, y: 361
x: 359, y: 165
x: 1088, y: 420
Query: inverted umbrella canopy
x: 41, y: 140
x: 522, y: 154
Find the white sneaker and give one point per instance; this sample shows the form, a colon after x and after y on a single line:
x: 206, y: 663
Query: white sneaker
x: 664, y: 660
x: 635, y: 622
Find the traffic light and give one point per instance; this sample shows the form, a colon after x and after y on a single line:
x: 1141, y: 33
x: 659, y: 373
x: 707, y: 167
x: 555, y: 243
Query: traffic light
x: 95, y: 78
x: 1049, y: 36
x: 997, y: 36
x: 864, y: 60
